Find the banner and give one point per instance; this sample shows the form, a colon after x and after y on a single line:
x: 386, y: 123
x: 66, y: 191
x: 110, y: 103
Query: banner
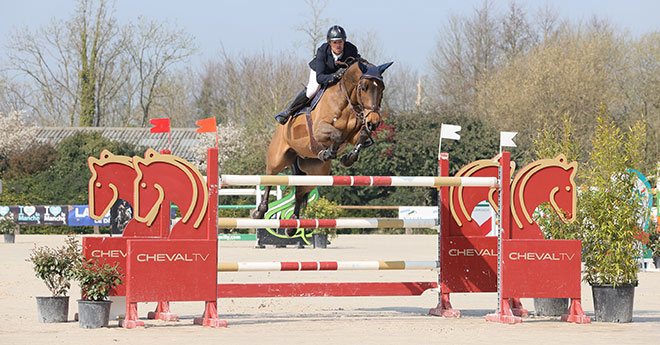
x: 55, y: 215
x: 79, y: 216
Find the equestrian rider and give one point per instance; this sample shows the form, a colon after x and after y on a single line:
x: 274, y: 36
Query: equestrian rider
x: 328, y: 65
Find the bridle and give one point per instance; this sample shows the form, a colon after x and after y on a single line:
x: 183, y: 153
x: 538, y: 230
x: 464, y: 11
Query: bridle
x: 359, y: 109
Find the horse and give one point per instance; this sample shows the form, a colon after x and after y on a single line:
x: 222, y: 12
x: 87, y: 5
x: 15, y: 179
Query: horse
x: 348, y: 112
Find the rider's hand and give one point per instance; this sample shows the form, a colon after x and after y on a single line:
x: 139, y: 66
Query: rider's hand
x: 340, y: 72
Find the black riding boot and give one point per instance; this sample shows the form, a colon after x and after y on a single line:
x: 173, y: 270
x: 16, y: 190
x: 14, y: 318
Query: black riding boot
x: 299, y: 102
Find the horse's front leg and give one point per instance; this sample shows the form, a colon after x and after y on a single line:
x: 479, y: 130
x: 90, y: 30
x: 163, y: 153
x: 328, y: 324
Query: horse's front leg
x: 325, y: 133
x: 351, y: 157
x: 261, y: 210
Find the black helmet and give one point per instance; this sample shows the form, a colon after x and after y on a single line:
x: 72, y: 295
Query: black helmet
x: 336, y: 33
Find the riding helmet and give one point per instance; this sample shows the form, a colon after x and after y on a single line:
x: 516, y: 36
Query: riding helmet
x: 336, y: 33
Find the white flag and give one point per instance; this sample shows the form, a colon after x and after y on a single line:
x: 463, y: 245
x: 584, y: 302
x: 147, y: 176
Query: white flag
x: 450, y: 132
x: 506, y: 139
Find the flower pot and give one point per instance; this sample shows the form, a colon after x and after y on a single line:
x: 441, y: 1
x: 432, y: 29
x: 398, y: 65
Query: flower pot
x: 320, y: 240
x: 93, y: 314
x: 10, y: 238
x: 656, y: 262
x: 613, y: 304
x: 550, y: 306
x: 53, y: 309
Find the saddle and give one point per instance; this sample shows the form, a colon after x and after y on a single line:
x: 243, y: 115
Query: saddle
x: 317, y: 98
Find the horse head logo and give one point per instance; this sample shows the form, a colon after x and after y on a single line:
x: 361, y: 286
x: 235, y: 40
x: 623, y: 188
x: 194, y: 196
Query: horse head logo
x: 546, y: 180
x: 166, y: 177
x: 111, y: 177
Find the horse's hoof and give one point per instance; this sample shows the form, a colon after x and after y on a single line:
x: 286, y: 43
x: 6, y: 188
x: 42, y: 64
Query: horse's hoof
x: 256, y: 214
x: 347, y: 160
x: 290, y: 231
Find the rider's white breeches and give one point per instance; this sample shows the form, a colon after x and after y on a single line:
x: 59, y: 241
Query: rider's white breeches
x: 312, y: 85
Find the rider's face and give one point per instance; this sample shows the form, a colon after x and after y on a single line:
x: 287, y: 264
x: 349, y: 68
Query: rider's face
x: 337, y: 47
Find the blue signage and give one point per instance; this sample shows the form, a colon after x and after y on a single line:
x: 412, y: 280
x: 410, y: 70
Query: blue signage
x: 79, y: 216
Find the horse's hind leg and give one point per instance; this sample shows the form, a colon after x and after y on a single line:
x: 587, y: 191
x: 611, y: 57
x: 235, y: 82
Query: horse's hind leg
x: 302, y: 193
x: 309, y: 167
x: 278, y: 157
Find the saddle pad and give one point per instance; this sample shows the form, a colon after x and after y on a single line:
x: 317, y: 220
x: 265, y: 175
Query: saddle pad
x: 315, y: 101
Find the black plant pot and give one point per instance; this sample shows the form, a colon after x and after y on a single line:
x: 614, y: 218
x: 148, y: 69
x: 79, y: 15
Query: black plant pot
x: 656, y: 261
x: 320, y: 240
x: 93, y: 314
x: 53, y: 309
x: 10, y: 238
x: 550, y: 306
x: 613, y: 304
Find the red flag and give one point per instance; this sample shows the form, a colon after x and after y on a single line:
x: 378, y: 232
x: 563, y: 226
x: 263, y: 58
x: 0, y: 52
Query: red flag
x: 160, y: 125
x: 206, y: 125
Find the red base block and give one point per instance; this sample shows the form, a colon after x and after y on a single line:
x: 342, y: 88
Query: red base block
x: 324, y: 289
x: 575, y: 313
x: 163, y: 313
x: 210, y: 318
x: 130, y: 324
x: 444, y: 309
x: 131, y: 319
x: 505, y: 315
x: 517, y: 308
x: 501, y: 318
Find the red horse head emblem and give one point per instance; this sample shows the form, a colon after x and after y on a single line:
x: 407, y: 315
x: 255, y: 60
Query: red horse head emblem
x: 166, y: 177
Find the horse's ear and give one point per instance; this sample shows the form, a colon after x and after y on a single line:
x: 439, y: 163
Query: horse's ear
x: 384, y: 66
x: 363, y: 67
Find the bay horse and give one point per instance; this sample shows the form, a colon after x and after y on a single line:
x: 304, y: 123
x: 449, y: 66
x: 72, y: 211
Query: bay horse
x: 348, y: 112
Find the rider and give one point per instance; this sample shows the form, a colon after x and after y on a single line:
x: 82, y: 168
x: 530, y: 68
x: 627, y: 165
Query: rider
x: 328, y: 66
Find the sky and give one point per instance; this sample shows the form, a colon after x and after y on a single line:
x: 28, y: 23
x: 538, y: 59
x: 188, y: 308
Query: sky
x: 407, y: 30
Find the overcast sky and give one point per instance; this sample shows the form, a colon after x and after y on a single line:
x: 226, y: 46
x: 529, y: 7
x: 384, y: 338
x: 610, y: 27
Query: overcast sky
x: 406, y: 29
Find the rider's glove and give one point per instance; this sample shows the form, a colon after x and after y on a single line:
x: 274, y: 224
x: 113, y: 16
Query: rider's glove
x: 340, y: 72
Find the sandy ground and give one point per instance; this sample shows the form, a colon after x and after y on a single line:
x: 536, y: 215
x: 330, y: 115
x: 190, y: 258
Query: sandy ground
x: 315, y: 320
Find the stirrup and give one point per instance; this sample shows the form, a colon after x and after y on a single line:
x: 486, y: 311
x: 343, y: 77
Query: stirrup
x: 282, y: 117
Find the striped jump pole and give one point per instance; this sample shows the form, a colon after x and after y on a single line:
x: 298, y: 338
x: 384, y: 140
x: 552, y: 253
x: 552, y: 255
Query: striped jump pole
x: 276, y: 266
x: 367, y: 223
x: 396, y: 181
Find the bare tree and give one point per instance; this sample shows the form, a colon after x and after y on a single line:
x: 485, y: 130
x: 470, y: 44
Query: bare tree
x: 370, y: 46
x: 155, y: 48
x: 314, y: 27
x: 517, y: 33
x: 60, y: 61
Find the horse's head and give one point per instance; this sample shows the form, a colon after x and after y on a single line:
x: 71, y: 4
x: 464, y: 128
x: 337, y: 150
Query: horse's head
x: 369, y: 90
x: 149, y: 194
x: 109, y: 172
x: 563, y: 197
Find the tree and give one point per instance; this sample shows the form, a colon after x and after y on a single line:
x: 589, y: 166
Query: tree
x: 155, y: 48
x: 314, y: 27
x: 62, y: 62
x: 568, y: 76
x: 89, y: 71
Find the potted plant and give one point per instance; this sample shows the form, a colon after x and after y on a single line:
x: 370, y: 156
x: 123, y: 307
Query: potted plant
x: 8, y: 229
x: 56, y: 267
x: 551, y: 141
x: 322, y: 209
x: 610, y: 216
x: 96, y: 280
